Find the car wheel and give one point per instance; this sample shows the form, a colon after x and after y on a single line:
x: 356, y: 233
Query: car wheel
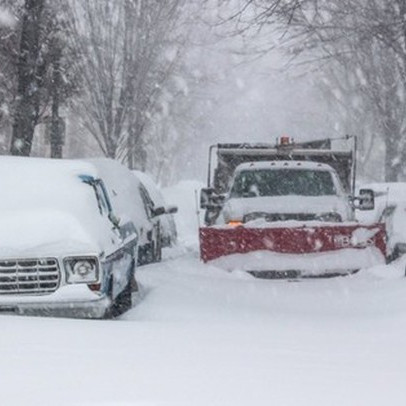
x: 158, y: 249
x: 123, y: 300
x: 108, y: 314
x: 145, y: 254
x: 150, y: 253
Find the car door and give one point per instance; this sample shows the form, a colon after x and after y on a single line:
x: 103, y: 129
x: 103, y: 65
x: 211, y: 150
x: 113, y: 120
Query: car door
x: 153, y: 233
x: 119, y: 264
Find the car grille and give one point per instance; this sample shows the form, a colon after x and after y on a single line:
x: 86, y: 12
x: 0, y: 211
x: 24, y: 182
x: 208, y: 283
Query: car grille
x: 34, y: 276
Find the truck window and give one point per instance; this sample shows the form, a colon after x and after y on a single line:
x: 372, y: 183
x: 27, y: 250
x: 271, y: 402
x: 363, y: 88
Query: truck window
x: 282, y: 182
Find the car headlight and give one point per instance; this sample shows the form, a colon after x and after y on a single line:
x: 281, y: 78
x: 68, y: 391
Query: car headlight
x: 81, y: 269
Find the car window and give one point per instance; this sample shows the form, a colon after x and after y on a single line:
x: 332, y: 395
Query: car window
x: 146, y: 199
x: 102, y: 198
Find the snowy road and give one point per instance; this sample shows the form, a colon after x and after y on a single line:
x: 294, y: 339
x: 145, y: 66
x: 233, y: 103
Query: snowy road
x: 205, y: 337
x: 202, y: 336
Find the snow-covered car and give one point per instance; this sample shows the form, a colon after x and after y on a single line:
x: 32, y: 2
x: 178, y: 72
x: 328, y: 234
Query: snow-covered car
x: 390, y: 208
x: 309, y: 191
x: 63, y: 249
x: 168, y: 230
x: 130, y: 196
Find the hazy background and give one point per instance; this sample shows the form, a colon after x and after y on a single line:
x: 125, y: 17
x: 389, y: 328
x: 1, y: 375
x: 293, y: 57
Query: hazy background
x: 214, y: 71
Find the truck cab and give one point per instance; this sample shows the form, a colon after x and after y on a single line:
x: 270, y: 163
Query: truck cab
x: 323, y: 177
x: 285, y: 191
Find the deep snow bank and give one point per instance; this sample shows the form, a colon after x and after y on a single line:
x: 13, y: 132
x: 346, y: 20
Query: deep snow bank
x: 186, y: 195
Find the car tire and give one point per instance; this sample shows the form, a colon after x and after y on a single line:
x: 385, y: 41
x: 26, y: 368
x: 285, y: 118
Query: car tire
x: 150, y: 253
x: 158, y: 249
x: 145, y: 254
x: 123, y: 300
x: 108, y: 314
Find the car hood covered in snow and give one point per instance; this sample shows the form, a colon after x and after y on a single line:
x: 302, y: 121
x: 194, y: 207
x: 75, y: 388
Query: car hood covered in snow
x: 44, y: 233
x: 236, y: 209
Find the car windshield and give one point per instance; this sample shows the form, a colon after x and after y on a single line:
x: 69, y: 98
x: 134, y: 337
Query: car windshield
x: 282, y: 182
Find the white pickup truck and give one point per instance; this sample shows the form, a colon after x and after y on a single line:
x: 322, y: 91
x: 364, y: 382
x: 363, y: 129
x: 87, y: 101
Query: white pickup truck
x: 291, y: 204
x: 283, y: 191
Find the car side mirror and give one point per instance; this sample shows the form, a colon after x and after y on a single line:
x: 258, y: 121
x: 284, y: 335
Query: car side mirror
x: 366, y: 199
x: 158, y: 211
x: 115, y: 220
x: 171, y: 209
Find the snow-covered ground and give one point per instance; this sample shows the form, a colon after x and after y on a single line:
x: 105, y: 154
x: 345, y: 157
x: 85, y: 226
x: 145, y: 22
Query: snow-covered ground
x: 203, y: 336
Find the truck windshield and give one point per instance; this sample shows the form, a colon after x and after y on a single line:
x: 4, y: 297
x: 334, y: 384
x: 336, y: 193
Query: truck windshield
x: 282, y: 182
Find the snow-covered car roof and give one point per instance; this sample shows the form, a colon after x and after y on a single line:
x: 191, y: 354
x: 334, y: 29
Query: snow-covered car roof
x: 124, y: 191
x: 31, y: 182
x: 167, y: 221
x: 45, y: 202
x: 284, y: 164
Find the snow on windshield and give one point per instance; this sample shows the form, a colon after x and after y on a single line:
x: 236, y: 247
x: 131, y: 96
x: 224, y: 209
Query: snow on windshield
x: 283, y: 182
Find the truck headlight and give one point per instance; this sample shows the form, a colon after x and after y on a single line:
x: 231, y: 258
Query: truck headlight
x: 81, y: 269
x: 331, y: 217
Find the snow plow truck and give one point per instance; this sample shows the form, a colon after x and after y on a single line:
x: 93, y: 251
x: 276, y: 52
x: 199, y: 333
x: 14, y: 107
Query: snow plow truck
x: 287, y: 211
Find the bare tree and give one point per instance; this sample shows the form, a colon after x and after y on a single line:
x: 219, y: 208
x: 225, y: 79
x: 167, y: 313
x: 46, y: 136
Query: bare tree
x: 123, y: 48
x: 30, y: 76
x: 360, y: 46
x: 29, y: 63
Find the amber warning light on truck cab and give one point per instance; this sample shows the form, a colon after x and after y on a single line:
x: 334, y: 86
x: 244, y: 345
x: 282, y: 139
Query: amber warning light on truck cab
x: 285, y: 140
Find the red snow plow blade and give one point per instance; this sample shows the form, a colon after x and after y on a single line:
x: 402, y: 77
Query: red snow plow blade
x: 217, y: 242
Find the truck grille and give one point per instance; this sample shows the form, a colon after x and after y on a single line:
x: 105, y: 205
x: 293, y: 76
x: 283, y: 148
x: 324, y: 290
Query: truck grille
x: 35, y: 276
x: 270, y: 217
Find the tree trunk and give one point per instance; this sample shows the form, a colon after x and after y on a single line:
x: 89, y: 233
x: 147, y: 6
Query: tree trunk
x: 137, y: 155
x: 56, y: 122
x: 28, y: 92
x: 392, y: 159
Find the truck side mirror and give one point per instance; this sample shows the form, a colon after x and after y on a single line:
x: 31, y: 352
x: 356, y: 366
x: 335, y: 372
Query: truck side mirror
x: 209, y: 199
x: 366, y: 199
x: 205, y: 197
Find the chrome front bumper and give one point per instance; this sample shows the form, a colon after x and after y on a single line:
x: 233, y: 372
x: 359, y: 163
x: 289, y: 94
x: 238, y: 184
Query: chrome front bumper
x: 91, y: 307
